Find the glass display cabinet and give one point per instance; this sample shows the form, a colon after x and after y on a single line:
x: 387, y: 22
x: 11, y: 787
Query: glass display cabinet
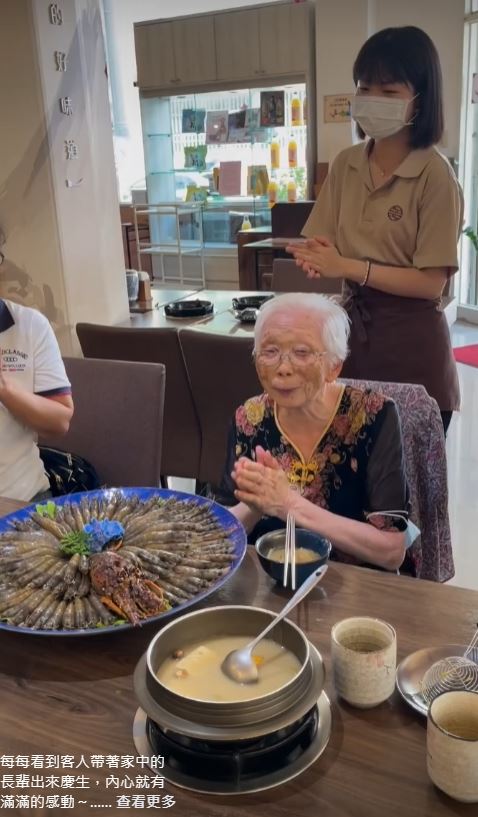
x: 235, y: 153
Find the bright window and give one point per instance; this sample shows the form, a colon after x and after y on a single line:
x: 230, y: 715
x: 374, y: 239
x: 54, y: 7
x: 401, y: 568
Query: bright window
x: 468, y: 287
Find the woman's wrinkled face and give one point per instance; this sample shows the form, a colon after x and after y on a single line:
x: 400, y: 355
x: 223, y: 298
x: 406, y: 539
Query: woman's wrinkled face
x: 300, y: 373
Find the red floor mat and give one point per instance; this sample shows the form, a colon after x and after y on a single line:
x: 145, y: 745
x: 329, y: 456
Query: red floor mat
x: 467, y: 354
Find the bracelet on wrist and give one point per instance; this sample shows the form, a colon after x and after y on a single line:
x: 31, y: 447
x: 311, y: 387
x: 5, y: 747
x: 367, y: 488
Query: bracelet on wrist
x: 367, y: 273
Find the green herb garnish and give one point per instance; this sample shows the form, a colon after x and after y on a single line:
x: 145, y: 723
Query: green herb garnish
x: 75, y: 542
x: 49, y: 509
x: 116, y: 623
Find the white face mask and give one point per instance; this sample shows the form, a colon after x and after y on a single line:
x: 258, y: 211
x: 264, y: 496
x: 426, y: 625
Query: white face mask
x: 411, y: 530
x: 379, y: 116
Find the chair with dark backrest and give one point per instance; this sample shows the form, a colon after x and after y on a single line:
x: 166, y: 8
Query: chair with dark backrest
x: 288, y: 218
x: 181, y: 433
x: 425, y: 465
x: 118, y: 419
x: 222, y: 376
x: 288, y: 277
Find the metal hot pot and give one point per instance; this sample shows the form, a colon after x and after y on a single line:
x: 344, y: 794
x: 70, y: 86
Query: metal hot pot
x: 240, y: 746
x: 238, y: 719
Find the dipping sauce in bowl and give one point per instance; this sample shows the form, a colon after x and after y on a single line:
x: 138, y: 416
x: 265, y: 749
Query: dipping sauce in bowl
x: 302, y: 555
x: 196, y: 673
x: 311, y: 551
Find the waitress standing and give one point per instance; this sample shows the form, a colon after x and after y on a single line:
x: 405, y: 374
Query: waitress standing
x: 388, y: 219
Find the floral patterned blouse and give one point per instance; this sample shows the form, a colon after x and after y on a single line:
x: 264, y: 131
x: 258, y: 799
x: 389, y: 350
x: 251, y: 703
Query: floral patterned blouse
x: 357, y: 465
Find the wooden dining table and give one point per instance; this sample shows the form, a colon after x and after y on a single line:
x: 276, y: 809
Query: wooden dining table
x: 221, y: 321
x: 74, y: 696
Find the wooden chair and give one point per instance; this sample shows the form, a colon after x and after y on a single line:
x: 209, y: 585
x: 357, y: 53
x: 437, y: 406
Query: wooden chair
x: 181, y: 433
x: 222, y: 375
x: 288, y: 218
x: 118, y: 419
x: 287, y: 277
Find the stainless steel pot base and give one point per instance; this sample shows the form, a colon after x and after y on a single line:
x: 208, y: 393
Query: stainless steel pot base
x: 300, y: 761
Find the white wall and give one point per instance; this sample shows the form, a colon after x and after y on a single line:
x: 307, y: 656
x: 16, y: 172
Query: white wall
x: 342, y: 27
x: 30, y: 272
x: 64, y: 252
x: 443, y: 20
x: 88, y: 215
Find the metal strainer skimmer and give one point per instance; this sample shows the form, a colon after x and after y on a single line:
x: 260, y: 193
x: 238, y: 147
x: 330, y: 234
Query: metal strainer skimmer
x: 459, y: 672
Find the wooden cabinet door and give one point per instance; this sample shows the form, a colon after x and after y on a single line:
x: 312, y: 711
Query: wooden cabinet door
x: 284, y: 38
x: 155, y: 55
x: 237, y: 44
x: 194, y: 51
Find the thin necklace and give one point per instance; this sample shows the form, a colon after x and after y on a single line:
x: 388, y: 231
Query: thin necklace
x: 383, y: 173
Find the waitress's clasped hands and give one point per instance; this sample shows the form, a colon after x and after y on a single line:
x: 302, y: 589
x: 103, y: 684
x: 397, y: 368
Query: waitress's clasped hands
x: 318, y: 257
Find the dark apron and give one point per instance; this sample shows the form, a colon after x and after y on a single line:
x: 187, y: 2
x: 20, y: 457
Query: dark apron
x: 401, y: 340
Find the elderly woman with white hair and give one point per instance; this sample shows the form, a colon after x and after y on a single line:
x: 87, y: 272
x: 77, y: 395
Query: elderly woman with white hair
x: 326, y: 452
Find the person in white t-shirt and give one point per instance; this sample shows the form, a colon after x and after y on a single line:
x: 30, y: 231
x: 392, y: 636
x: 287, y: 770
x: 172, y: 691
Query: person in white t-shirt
x: 35, y: 398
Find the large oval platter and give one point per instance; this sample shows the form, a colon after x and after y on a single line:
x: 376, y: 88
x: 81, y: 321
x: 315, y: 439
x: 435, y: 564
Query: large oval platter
x: 218, y: 516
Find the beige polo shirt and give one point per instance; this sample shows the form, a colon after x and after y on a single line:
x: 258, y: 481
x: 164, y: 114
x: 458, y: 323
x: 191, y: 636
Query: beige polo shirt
x: 413, y: 220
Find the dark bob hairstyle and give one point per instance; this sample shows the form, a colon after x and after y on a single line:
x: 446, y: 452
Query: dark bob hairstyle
x: 406, y: 55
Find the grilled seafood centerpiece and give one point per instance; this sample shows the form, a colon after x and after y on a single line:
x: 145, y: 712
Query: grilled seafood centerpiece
x: 123, y: 588
x: 97, y: 562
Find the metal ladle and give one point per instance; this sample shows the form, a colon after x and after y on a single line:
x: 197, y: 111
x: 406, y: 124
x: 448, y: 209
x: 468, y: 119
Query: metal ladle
x: 239, y: 664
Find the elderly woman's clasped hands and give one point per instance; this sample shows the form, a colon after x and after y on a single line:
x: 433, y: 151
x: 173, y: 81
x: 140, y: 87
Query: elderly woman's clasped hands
x: 263, y: 485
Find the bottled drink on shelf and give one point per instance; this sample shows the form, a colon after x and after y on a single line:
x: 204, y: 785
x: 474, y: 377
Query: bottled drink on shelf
x: 272, y: 190
x: 275, y: 155
x: 246, y: 223
x: 291, y: 190
x: 295, y: 111
x: 292, y: 152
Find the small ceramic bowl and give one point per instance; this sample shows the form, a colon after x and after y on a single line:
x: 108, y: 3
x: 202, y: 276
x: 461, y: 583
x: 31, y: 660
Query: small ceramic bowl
x: 303, y: 538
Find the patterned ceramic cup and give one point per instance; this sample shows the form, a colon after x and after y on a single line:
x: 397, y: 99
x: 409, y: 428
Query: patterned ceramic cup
x: 364, y: 657
x: 452, y: 744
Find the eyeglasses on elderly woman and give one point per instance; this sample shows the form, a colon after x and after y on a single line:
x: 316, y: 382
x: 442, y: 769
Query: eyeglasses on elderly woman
x: 298, y: 357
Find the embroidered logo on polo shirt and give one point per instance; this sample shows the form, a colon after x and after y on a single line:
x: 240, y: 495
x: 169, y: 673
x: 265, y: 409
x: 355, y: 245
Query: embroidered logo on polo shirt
x: 395, y: 213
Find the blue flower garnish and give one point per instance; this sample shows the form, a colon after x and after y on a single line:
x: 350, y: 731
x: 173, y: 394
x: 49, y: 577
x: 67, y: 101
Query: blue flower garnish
x: 101, y: 532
